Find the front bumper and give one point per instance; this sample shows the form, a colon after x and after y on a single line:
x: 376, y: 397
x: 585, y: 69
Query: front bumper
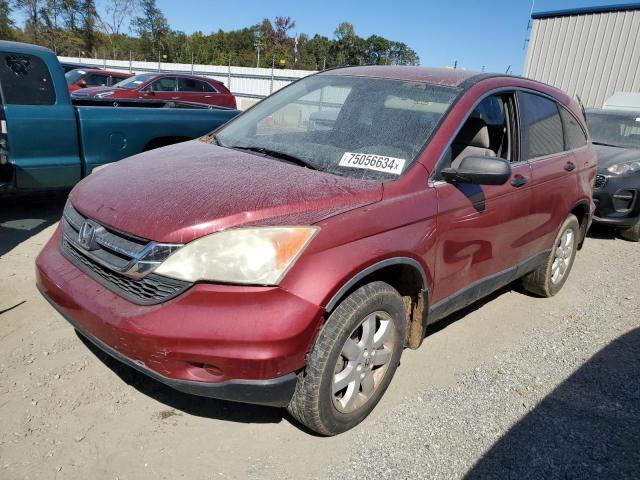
x: 235, y: 343
x: 617, y: 200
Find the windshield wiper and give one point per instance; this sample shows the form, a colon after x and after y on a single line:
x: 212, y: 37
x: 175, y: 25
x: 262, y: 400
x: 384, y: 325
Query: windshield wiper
x: 276, y: 154
x: 605, y: 144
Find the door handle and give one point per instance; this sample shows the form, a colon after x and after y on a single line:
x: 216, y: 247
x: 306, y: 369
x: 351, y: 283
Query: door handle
x: 175, y: 98
x: 519, y: 181
x: 569, y: 166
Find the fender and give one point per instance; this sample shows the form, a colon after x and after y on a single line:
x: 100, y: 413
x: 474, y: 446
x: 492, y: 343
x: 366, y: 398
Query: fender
x: 369, y: 270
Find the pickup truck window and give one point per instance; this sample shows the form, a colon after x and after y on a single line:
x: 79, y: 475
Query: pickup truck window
x: 25, y: 80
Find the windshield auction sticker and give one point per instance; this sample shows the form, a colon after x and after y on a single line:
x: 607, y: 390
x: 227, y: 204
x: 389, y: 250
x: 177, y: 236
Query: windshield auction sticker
x: 379, y: 163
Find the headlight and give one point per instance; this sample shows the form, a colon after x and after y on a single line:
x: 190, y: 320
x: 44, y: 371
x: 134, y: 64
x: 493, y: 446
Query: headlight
x: 105, y: 94
x: 624, y: 168
x: 259, y: 255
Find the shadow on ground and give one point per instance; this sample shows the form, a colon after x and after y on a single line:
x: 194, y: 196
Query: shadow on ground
x: 602, y: 232
x: 22, y: 217
x: 190, y: 404
x: 588, y: 427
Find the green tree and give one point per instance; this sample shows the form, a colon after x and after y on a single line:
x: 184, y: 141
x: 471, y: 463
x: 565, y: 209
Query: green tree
x: 7, y: 25
x: 31, y: 11
x: 88, y: 31
x: 152, y: 27
x: 281, y: 26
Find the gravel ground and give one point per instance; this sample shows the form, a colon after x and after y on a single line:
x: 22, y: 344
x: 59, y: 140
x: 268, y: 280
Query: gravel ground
x: 556, y: 406
x: 513, y: 387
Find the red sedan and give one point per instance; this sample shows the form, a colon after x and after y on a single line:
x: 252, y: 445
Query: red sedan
x: 187, y: 88
x: 93, y: 77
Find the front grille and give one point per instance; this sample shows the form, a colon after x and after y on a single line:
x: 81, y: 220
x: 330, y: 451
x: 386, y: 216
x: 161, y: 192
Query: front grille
x: 149, y: 290
x: 119, y: 262
x: 600, y: 182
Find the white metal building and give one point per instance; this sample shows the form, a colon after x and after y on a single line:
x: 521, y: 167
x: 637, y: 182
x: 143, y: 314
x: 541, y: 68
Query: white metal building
x: 592, y: 52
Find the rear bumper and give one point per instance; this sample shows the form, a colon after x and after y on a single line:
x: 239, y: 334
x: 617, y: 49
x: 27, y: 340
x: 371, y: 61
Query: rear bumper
x: 617, y: 201
x: 235, y: 343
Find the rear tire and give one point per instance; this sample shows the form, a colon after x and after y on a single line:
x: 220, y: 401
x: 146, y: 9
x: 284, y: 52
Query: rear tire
x: 632, y: 233
x: 352, y: 361
x: 548, y: 278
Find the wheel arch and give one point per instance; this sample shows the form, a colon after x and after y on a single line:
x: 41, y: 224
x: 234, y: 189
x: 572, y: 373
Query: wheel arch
x: 582, y: 212
x: 407, y: 276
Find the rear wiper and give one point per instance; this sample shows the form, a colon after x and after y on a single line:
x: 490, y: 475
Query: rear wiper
x: 276, y: 154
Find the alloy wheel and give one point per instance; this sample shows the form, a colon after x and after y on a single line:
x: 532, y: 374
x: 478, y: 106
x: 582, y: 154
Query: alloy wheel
x: 562, y: 259
x: 363, y: 362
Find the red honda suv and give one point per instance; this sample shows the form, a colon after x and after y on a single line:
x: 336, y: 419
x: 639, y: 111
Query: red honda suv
x: 286, y: 261
x: 159, y: 86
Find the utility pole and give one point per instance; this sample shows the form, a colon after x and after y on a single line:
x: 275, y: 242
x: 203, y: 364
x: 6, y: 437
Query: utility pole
x: 273, y: 64
x: 258, y: 44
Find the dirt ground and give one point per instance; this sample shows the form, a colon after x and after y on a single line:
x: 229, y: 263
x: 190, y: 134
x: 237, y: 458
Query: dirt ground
x: 67, y: 411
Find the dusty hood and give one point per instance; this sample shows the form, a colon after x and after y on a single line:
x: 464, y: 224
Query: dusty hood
x: 181, y: 192
x: 607, y: 156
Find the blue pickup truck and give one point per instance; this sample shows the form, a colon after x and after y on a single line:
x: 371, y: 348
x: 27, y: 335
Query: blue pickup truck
x: 48, y: 141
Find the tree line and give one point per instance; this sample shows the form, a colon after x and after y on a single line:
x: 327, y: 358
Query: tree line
x: 138, y: 29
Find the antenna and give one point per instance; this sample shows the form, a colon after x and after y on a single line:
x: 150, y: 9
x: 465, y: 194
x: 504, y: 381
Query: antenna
x: 528, y: 34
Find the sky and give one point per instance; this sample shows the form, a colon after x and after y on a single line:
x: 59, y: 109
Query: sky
x: 476, y: 33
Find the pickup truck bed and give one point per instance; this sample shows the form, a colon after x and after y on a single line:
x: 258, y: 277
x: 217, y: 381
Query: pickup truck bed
x: 47, y: 141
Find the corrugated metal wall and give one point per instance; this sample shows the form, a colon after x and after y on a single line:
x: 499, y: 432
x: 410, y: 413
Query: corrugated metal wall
x: 592, y: 55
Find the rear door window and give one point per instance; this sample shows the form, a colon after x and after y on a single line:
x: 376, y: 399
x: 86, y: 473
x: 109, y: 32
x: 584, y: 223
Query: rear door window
x: 25, y: 80
x: 166, y: 84
x: 542, y: 132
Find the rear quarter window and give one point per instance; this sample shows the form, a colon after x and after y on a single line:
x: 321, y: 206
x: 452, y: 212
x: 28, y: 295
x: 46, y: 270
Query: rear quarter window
x: 574, y: 136
x: 542, y: 132
x: 25, y: 80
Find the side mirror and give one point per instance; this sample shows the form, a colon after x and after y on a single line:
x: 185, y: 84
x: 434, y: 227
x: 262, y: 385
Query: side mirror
x: 82, y: 83
x: 150, y: 92
x: 479, y: 170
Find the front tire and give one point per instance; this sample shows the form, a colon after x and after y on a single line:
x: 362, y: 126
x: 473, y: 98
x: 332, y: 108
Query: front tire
x: 548, y: 278
x: 632, y: 233
x: 352, y: 361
